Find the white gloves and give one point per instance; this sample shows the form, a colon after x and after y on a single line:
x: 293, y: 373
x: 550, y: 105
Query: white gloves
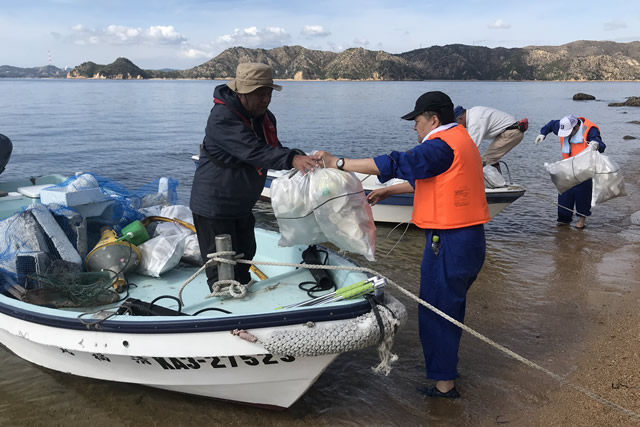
x: 540, y: 138
x: 594, y: 145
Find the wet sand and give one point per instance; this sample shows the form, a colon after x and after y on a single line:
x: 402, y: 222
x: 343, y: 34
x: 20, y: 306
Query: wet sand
x: 610, y: 363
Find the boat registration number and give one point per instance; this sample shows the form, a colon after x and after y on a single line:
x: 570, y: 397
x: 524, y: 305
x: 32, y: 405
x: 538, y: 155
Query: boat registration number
x: 220, y: 362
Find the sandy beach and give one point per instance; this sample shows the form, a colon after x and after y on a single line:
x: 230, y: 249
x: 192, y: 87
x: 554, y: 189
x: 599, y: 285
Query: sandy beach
x: 610, y: 363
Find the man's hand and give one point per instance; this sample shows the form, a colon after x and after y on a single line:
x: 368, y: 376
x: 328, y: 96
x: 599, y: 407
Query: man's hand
x: 540, y: 138
x: 378, y: 195
x: 594, y: 145
x: 306, y: 163
x: 327, y: 160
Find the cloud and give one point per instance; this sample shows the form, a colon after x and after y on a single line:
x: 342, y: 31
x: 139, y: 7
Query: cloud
x: 192, y: 53
x: 315, y: 31
x: 616, y: 24
x: 253, y: 37
x: 361, y: 42
x: 499, y: 25
x: 122, y: 35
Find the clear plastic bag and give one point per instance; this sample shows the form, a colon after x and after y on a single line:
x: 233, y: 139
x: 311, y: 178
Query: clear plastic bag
x: 607, y: 180
x: 492, y: 177
x: 297, y: 223
x: 570, y: 172
x: 341, y: 209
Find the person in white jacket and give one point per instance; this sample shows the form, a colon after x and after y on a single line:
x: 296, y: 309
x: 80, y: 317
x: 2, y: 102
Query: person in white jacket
x: 485, y: 123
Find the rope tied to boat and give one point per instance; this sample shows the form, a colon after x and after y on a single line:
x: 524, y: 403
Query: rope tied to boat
x: 221, y: 288
x: 583, y: 390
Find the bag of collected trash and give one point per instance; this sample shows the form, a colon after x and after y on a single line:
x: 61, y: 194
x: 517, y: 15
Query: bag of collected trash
x: 492, y: 177
x: 607, y: 180
x: 180, y: 212
x: 160, y: 254
x: 570, y: 172
x: 192, y: 250
x: 297, y: 223
x: 342, y: 211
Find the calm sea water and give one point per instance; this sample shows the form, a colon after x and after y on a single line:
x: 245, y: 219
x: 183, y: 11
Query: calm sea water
x: 530, y: 296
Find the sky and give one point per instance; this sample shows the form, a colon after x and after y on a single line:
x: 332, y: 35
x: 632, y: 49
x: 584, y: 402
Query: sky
x: 180, y: 34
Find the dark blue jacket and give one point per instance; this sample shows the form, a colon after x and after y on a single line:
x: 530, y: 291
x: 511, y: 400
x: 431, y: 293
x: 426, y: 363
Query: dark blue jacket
x: 593, y: 135
x: 230, y: 186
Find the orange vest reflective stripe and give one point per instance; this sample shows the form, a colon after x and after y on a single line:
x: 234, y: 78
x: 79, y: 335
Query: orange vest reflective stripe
x: 577, y: 148
x: 456, y: 197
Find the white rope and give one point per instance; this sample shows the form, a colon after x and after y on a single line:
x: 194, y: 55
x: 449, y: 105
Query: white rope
x: 478, y: 335
x: 221, y: 287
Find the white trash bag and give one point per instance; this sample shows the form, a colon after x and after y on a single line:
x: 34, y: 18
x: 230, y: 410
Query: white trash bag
x: 297, y: 223
x: 181, y: 212
x: 192, y: 250
x: 492, y: 177
x: 570, y: 172
x: 160, y: 254
x: 607, y: 180
x: 342, y: 211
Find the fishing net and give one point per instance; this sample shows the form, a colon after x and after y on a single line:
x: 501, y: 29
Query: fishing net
x: 63, y: 286
x: 126, y: 203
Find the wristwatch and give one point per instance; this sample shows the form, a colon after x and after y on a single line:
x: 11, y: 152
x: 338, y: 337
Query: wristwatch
x: 340, y: 163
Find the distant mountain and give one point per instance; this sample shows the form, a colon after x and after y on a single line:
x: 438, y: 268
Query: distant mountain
x: 121, y: 69
x: 48, y: 71
x: 579, y: 61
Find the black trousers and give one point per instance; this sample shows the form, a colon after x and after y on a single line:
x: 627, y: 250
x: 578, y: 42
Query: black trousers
x: 243, y: 241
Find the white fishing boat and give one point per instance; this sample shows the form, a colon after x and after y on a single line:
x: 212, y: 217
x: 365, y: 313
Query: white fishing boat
x: 398, y: 208
x: 265, y: 348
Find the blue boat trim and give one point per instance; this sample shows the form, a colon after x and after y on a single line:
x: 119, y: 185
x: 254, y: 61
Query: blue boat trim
x: 190, y: 324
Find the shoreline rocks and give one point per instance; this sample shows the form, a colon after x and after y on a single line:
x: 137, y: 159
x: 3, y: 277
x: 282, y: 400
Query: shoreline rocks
x: 583, y: 97
x: 632, y: 101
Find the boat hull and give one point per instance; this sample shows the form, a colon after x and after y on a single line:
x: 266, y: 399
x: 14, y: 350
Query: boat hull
x: 211, y: 364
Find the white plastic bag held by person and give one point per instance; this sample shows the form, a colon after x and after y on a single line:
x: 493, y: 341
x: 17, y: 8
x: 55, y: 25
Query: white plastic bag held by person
x: 607, y: 180
x: 570, y: 172
x: 341, y: 209
x: 297, y: 223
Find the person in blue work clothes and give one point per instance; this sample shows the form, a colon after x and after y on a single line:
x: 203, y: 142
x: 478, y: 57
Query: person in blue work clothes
x: 576, y: 134
x: 445, y: 170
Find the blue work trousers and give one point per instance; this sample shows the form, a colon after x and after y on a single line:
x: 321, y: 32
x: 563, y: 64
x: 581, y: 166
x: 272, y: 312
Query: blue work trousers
x: 578, y: 196
x: 445, y: 278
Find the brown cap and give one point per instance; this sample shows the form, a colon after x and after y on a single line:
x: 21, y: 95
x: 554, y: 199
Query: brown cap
x: 251, y: 76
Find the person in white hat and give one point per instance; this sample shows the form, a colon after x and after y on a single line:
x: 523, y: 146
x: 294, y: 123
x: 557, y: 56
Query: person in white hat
x: 576, y: 134
x: 240, y: 144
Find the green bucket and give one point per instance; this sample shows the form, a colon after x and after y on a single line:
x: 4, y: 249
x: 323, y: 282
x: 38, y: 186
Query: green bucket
x: 135, y: 233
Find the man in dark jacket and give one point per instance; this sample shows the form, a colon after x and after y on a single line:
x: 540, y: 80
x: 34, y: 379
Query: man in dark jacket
x: 5, y: 154
x: 240, y: 144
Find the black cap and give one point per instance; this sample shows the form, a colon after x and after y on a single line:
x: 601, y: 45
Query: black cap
x: 435, y: 101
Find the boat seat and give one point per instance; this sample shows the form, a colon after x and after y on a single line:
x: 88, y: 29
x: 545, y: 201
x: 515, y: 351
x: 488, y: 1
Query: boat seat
x: 33, y: 191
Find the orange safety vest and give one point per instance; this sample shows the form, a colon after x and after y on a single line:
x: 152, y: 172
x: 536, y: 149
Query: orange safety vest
x: 456, y: 197
x: 577, y: 148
